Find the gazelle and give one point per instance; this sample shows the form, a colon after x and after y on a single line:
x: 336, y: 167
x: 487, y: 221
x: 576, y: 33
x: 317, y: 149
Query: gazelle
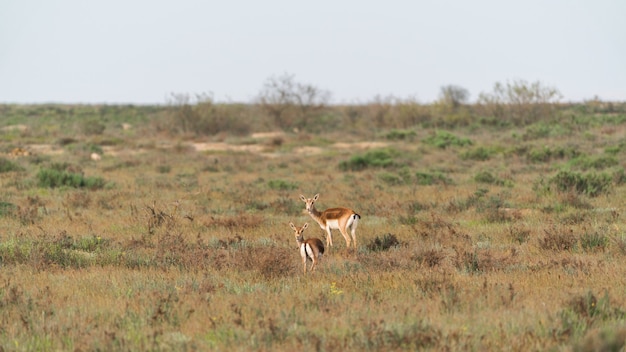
x: 312, y: 248
x: 334, y: 218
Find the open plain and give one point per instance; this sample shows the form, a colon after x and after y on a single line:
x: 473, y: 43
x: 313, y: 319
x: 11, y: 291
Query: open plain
x: 475, y: 234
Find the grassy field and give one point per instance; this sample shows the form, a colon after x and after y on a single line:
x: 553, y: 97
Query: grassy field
x: 474, y: 235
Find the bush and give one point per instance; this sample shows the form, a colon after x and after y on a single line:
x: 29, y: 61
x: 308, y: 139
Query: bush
x: 383, y: 243
x: 593, y: 241
x: 616, y: 149
x: 391, y: 178
x: 558, y: 239
x: 546, y: 154
x: 291, y: 103
x: 489, y: 178
x: 378, y: 158
x: 591, y: 184
x: 431, y: 178
x: 8, y: 166
x: 400, y: 135
x: 519, y: 102
x: 492, y: 208
x: 52, y: 178
x: 545, y: 130
x: 598, y: 162
x: 92, y: 127
x: 281, y: 185
x: 200, y: 116
x: 7, y: 208
x: 485, y: 177
x: 444, y: 139
x: 480, y: 154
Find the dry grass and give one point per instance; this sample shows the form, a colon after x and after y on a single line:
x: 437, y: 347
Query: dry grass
x: 197, y: 254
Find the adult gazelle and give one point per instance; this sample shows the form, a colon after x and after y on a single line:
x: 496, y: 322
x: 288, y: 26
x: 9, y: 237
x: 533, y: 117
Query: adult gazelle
x: 343, y: 219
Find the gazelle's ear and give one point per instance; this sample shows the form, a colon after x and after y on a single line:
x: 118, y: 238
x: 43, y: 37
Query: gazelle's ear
x: 306, y: 224
x: 292, y: 226
x: 303, y: 198
x: 316, y: 196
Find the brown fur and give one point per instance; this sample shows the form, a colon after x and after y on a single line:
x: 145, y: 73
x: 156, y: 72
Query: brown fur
x: 345, y: 219
x: 314, y: 245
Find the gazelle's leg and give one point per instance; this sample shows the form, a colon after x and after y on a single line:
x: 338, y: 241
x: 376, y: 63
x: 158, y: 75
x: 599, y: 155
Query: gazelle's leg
x: 329, y: 237
x: 345, y: 235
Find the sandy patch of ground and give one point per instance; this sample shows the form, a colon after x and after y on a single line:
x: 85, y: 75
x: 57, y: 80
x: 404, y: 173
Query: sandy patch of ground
x: 47, y: 149
x: 360, y: 145
x: 252, y: 148
x: 308, y: 150
x: 10, y: 128
x: 261, y: 135
x: 50, y: 149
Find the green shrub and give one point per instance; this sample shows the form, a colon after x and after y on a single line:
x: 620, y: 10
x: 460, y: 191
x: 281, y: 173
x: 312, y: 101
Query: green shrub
x: 595, y: 162
x: 540, y: 155
x: 545, y: 130
x: 378, y: 158
x: 616, y: 149
x: 546, y: 154
x: 400, y: 135
x: 391, y: 178
x: 489, y: 178
x: 163, y: 169
x: 281, y: 185
x: 485, y: 177
x: 7, y: 208
x: 92, y: 127
x: 403, y: 176
x: 52, y: 178
x: 7, y: 165
x: 479, y: 153
x: 431, y: 178
x: 444, y: 139
x: 591, y: 184
x: 593, y: 241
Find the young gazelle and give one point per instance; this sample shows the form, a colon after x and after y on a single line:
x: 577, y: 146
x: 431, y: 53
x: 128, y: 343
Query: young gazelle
x: 334, y: 218
x: 312, y: 248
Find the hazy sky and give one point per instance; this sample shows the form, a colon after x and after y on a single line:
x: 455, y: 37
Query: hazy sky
x: 140, y: 51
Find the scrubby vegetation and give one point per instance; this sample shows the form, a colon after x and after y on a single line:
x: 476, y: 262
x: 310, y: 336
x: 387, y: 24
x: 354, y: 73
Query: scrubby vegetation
x: 490, y: 226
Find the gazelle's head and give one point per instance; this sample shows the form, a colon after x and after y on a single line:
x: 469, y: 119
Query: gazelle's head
x: 298, y: 231
x: 309, y: 202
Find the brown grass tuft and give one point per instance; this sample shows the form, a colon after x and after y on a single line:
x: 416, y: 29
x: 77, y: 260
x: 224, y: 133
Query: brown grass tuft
x: 558, y: 239
x: 383, y: 243
x: 242, y: 221
x: 276, y: 262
